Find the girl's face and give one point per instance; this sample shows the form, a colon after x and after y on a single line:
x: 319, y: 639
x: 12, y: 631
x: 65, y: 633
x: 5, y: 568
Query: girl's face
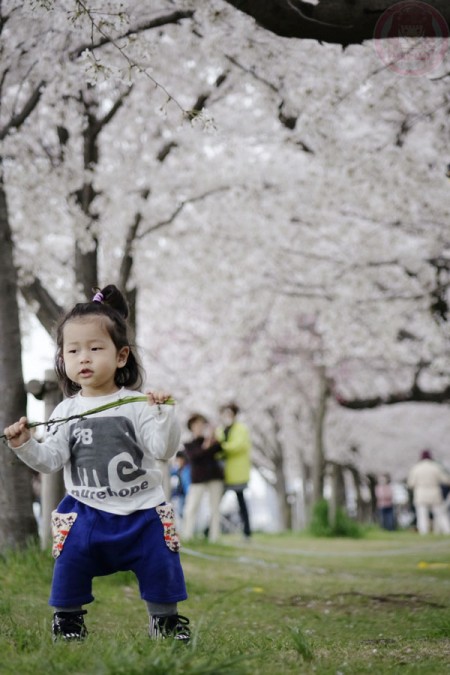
x: 91, y: 357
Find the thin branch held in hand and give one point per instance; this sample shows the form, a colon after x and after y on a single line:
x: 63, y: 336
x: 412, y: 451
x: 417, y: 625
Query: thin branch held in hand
x: 107, y: 406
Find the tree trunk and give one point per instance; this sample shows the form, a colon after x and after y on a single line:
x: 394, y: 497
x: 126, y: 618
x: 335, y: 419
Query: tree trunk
x: 359, y: 501
x: 372, y: 482
x: 284, y: 506
x: 86, y: 264
x: 319, y: 450
x: 337, y: 499
x: 17, y: 523
x: 304, y: 505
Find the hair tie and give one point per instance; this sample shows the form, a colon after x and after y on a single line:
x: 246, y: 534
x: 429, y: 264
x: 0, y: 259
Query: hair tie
x: 98, y: 297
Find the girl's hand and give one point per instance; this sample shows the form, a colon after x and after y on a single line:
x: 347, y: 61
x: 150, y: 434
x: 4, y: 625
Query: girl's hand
x: 18, y: 433
x: 157, y: 397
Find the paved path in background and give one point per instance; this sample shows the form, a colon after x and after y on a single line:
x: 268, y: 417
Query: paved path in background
x: 426, y: 548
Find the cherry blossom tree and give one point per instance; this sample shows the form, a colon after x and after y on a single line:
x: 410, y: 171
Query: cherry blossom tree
x: 34, y: 130
x: 279, y: 204
x: 343, y: 235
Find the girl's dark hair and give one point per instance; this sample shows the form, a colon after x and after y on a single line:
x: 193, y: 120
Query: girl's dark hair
x: 108, y: 303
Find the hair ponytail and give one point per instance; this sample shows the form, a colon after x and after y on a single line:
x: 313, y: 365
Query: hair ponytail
x: 111, y: 296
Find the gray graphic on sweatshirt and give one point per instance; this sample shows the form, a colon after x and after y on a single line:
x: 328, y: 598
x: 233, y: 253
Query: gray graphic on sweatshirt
x: 104, y: 453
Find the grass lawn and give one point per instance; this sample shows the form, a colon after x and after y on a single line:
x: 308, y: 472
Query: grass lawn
x: 280, y: 604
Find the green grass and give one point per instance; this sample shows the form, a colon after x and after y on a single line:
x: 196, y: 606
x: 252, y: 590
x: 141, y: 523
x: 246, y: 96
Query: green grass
x: 280, y: 604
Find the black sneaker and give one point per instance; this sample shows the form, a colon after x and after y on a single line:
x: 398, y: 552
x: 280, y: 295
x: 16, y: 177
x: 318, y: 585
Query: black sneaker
x: 174, y: 626
x: 69, y: 626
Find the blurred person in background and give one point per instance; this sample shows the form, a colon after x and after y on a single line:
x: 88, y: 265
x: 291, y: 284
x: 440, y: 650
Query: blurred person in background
x: 426, y: 479
x: 234, y: 439
x: 180, y: 480
x: 206, y: 477
x: 385, y: 502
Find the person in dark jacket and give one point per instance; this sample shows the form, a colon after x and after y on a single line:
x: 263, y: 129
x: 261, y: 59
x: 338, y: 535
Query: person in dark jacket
x: 206, y: 477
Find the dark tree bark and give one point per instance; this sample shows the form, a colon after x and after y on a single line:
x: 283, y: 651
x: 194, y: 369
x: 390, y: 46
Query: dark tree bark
x: 338, y: 493
x: 341, y: 22
x: 278, y: 457
x: 48, y: 311
x: 17, y: 523
x: 318, y: 471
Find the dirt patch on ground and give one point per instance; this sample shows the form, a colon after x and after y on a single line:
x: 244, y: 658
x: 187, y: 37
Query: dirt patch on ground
x: 355, y: 598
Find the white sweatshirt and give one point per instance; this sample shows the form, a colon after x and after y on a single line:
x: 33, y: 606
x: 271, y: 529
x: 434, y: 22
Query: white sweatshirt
x: 109, y: 458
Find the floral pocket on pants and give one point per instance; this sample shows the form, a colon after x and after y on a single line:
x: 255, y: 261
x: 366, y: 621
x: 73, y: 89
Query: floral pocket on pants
x: 61, y: 524
x: 167, y: 517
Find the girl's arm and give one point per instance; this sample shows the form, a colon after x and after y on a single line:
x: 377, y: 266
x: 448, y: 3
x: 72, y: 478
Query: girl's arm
x: 46, y: 457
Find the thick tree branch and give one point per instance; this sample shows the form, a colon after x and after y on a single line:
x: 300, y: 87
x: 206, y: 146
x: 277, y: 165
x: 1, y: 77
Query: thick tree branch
x: 16, y: 121
x: 341, y: 22
x: 251, y: 71
x: 102, y: 122
x: 166, y: 19
x: 287, y: 119
x: 413, y: 395
x: 127, y: 258
x: 202, y: 99
x: 45, y: 306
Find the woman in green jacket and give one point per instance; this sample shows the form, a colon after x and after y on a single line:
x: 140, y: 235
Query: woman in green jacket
x: 235, y: 441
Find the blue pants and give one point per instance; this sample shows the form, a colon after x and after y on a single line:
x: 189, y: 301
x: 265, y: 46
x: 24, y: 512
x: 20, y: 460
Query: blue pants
x: 101, y: 543
x: 387, y: 518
